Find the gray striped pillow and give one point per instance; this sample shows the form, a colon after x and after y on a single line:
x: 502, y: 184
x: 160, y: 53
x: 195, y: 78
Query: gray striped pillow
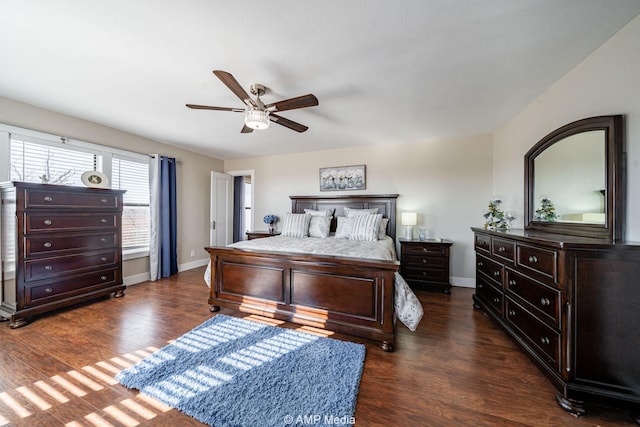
x: 296, y: 225
x: 365, y: 227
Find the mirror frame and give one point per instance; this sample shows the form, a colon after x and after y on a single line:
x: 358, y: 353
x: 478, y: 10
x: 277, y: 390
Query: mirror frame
x: 613, y: 228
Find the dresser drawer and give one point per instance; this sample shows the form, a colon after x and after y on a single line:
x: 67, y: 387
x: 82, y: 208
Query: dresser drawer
x: 543, y: 299
x: 504, y: 250
x: 491, y: 269
x: 422, y: 261
x: 67, y: 287
x: 483, y: 243
x: 542, y: 339
x: 36, y: 223
x: 36, y: 198
x: 538, y: 261
x: 490, y: 295
x: 34, y: 246
x: 56, y: 266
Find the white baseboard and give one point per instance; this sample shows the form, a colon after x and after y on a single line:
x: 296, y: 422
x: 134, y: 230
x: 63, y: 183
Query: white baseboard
x: 193, y: 264
x: 463, y: 282
x: 144, y: 277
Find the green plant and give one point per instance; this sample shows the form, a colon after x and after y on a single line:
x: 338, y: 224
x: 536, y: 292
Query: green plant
x: 494, y: 217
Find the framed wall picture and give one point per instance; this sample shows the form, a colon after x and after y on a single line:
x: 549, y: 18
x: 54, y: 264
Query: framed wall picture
x: 342, y: 178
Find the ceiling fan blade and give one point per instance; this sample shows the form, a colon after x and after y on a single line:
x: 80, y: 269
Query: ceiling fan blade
x: 293, y: 103
x: 208, y: 107
x: 246, y: 129
x: 287, y: 123
x: 235, y: 87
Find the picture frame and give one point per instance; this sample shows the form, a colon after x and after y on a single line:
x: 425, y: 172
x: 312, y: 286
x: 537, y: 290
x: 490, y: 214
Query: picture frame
x: 343, y: 178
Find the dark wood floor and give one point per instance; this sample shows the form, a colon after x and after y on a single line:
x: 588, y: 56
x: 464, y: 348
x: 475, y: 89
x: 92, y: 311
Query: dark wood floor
x: 457, y: 369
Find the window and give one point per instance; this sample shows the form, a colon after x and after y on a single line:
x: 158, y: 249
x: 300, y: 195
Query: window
x: 134, y: 177
x: 48, y: 160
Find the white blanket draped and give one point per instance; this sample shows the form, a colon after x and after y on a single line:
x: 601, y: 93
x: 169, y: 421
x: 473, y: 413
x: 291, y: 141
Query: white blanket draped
x: 408, y: 309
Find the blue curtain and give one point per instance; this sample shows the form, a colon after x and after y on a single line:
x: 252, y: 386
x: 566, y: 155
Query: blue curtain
x: 168, y: 255
x: 238, y: 208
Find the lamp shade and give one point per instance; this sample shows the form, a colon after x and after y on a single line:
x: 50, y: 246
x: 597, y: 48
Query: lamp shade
x: 256, y: 119
x: 409, y: 218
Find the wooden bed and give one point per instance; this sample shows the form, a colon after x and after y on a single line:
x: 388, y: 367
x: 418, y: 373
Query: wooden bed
x: 348, y: 295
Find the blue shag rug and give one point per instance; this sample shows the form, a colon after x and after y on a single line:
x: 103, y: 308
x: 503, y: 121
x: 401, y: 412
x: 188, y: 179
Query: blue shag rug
x: 234, y: 372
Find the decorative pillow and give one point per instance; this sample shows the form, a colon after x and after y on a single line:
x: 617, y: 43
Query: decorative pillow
x: 319, y: 226
x: 365, y: 227
x: 382, y: 231
x: 323, y: 212
x: 349, y: 212
x: 344, y: 227
x: 296, y: 225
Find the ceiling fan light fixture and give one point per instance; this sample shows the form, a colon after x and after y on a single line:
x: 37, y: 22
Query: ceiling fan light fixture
x: 256, y: 119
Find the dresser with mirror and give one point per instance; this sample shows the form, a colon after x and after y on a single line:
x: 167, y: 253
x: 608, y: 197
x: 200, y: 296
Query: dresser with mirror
x: 566, y: 287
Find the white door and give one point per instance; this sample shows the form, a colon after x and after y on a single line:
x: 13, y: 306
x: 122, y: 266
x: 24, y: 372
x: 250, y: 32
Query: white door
x: 221, y: 211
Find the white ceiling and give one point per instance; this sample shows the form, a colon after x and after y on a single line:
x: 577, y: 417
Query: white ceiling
x: 384, y: 71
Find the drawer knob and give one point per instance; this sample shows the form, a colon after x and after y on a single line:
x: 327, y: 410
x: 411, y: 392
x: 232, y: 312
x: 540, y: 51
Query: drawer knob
x: 103, y: 220
x: 47, y: 222
x: 424, y: 273
x: 533, y: 259
x: 103, y: 277
x: 104, y: 200
x: 545, y: 340
x: 479, y: 286
x: 103, y: 240
x: 48, y: 290
x: 545, y: 301
x: 512, y: 313
x: 496, y: 273
x: 103, y: 259
x: 48, y: 267
x: 512, y: 282
x: 496, y: 300
x: 47, y: 244
x: 502, y: 249
x: 48, y: 198
x: 424, y: 250
x: 480, y: 263
x: 424, y: 261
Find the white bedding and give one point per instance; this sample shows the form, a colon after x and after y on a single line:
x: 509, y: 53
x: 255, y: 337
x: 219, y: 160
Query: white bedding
x: 408, y: 309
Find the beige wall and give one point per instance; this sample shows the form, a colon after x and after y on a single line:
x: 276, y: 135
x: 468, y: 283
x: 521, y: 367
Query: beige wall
x: 447, y: 182
x: 193, y: 175
x: 605, y: 83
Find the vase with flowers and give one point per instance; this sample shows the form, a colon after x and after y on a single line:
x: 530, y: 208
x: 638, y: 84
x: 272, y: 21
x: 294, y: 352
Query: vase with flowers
x: 270, y: 220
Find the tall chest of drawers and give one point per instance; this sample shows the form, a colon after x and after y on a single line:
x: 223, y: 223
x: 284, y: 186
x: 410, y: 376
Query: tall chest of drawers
x: 61, y: 245
x: 572, y: 304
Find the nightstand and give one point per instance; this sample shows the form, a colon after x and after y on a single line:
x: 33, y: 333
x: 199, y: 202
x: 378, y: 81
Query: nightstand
x: 259, y: 234
x: 425, y: 263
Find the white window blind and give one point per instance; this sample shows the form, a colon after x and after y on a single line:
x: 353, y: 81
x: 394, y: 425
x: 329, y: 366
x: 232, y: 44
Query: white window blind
x: 43, y: 163
x: 134, y: 177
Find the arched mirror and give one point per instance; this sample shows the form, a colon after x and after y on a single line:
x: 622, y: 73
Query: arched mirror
x: 574, y: 181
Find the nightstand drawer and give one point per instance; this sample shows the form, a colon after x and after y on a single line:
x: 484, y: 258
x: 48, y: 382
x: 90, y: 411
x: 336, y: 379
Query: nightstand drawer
x: 425, y: 261
x: 425, y: 249
x: 420, y: 274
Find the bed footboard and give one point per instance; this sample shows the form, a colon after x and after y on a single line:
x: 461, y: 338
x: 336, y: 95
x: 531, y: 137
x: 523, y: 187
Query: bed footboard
x: 352, y: 296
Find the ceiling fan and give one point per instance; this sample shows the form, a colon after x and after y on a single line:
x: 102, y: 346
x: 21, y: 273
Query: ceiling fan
x: 257, y: 114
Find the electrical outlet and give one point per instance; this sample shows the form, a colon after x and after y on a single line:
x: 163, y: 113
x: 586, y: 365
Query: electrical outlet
x: 193, y: 252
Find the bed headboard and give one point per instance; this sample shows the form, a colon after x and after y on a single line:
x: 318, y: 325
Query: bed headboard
x: 386, y: 204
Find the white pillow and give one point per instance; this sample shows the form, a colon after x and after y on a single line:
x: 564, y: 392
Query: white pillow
x: 296, y: 225
x: 344, y: 227
x: 365, y: 227
x: 319, y: 226
x: 349, y: 212
x: 323, y: 212
x: 382, y: 231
